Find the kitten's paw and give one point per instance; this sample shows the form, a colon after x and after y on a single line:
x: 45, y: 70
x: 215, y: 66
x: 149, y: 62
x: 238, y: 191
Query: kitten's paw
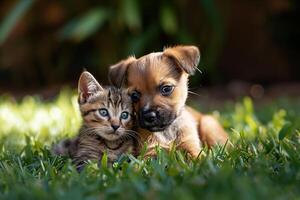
x: 62, y: 148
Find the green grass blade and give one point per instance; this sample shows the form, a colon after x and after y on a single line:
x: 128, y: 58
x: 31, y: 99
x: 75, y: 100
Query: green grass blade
x: 13, y: 17
x: 285, y: 130
x: 81, y: 28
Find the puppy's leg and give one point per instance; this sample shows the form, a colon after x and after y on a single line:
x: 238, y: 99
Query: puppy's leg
x: 211, y: 132
x: 189, y: 141
x: 151, y: 149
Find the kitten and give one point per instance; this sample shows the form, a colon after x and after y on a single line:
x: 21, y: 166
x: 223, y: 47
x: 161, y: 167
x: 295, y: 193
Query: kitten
x: 108, y: 120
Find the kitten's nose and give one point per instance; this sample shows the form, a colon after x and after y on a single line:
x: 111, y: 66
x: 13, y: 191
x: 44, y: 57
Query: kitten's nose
x: 115, y: 127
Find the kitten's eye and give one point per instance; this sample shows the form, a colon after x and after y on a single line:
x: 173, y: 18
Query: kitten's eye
x: 124, y: 115
x: 135, y: 96
x: 166, y: 90
x: 103, y: 112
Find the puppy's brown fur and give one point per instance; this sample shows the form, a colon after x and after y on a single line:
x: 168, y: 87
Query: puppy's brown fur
x: 176, y: 124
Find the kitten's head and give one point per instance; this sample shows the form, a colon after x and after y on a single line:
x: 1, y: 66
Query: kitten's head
x: 106, y: 112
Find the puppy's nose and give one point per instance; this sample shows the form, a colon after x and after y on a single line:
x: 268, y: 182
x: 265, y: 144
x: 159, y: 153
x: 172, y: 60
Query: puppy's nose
x: 149, y: 116
x: 115, y: 127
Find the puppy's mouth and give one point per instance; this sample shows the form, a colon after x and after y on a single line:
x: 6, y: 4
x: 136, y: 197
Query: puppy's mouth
x: 160, y: 122
x: 155, y: 128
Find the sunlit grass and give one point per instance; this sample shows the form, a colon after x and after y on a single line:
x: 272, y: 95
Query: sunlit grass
x: 43, y: 121
x: 264, y: 163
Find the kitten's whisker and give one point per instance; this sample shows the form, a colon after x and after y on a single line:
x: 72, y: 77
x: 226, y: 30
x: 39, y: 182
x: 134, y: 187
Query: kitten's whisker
x: 132, y: 132
x: 131, y: 135
x: 134, y: 135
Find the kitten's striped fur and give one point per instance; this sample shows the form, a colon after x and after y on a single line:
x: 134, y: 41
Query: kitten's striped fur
x: 108, y: 120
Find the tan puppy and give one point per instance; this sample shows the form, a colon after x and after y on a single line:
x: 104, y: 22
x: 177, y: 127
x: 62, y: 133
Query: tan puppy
x: 158, y: 85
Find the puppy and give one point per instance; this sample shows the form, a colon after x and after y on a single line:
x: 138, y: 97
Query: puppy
x: 158, y: 85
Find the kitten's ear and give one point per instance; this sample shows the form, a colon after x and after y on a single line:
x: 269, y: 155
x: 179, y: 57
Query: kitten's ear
x: 185, y: 57
x: 87, y: 86
x: 118, y: 72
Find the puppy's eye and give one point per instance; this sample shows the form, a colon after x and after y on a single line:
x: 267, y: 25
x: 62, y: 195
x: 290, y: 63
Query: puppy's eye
x: 166, y: 90
x: 135, y: 96
x: 103, y: 112
x: 124, y: 115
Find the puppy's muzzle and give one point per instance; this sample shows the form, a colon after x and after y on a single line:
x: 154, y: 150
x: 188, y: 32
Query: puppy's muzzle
x: 155, y: 120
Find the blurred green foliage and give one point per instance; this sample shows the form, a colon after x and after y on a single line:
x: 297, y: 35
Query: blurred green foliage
x: 45, y: 43
x: 70, y: 35
x: 13, y: 17
x: 41, y: 121
x: 264, y: 163
x: 81, y: 28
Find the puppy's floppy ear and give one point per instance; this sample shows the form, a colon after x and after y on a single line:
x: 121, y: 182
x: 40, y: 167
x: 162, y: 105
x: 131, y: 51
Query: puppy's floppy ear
x: 87, y: 86
x: 186, y: 57
x: 118, y: 72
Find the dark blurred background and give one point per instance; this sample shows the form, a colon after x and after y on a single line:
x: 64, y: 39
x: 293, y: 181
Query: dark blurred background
x: 244, y: 43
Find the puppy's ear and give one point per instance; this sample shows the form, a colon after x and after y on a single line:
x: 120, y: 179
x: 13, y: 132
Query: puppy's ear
x: 185, y: 57
x: 117, y: 73
x: 87, y: 86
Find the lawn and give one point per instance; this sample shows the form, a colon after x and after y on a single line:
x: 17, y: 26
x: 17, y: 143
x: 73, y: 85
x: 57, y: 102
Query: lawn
x: 264, y: 163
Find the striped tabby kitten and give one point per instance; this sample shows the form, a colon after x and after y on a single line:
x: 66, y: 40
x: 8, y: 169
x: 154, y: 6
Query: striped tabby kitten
x: 107, y: 124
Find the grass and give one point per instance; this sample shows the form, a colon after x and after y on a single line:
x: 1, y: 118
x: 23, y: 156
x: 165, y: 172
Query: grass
x: 264, y: 164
